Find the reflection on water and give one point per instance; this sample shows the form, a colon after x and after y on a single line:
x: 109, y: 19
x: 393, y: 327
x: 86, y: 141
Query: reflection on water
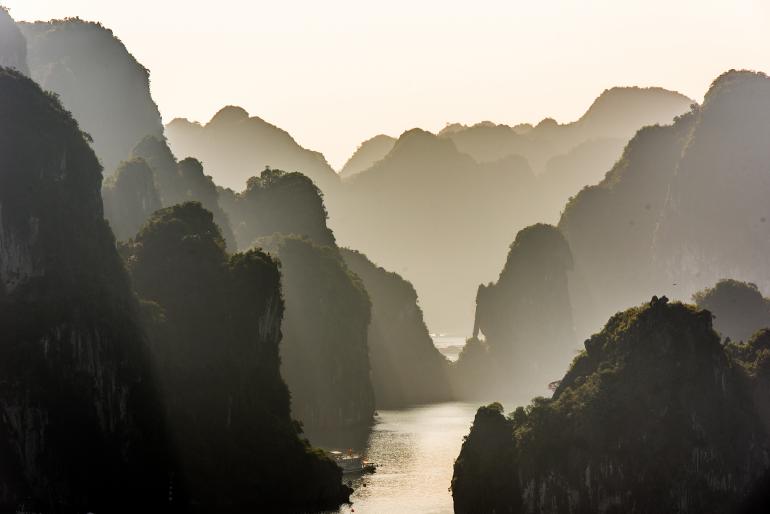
x: 415, y: 450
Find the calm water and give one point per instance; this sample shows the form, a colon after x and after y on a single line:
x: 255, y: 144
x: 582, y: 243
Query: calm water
x: 415, y: 450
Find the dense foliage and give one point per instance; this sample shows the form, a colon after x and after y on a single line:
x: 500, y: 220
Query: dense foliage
x: 739, y: 308
x: 130, y: 197
x: 216, y: 349
x: 406, y: 366
x: 97, y: 79
x: 80, y: 429
x: 654, y: 416
x: 277, y: 202
x: 184, y: 181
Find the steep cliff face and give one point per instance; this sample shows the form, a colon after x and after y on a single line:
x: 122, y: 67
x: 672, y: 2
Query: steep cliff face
x: 130, y: 197
x: 78, y: 423
x: 98, y: 80
x: 610, y: 227
x: 406, y: 366
x: 653, y: 416
x: 715, y: 222
x: 216, y: 342
x: 739, y: 308
x: 525, y: 319
x: 13, y: 45
x: 277, y: 202
x: 683, y: 208
x: 324, y: 350
x: 235, y: 145
x: 485, y: 475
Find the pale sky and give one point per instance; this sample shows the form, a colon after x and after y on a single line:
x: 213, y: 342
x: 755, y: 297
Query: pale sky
x: 336, y: 72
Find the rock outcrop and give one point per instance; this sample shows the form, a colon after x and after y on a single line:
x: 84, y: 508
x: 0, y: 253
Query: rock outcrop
x: 654, y: 416
x: 13, y: 44
x: 80, y: 428
x: 407, y: 368
x: 98, y: 80
x: 216, y: 327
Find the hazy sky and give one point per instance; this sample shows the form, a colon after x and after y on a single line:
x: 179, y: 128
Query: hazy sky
x: 336, y: 72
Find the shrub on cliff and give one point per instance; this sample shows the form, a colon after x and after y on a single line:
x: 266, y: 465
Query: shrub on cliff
x: 652, y: 417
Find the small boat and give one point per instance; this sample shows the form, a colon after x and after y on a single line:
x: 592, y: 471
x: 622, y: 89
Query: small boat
x: 351, y: 463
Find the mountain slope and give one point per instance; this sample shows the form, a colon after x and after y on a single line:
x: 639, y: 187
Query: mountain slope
x: 236, y: 147
x: 81, y: 429
x: 98, y: 80
x: 653, y: 416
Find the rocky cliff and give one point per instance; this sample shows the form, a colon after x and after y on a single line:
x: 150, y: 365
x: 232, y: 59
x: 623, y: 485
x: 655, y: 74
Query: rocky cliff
x: 654, y: 416
x: 13, y: 44
x: 79, y: 423
x: 216, y: 330
x: 406, y: 366
x: 98, y: 80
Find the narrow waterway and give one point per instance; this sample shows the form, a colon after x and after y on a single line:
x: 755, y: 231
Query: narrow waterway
x: 415, y: 450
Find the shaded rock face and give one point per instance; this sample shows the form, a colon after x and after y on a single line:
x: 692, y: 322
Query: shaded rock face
x: 683, y: 208
x: 485, y: 477
x: 406, y: 366
x: 235, y: 145
x: 277, y: 202
x: 216, y: 326
x: 130, y: 197
x: 324, y: 349
x: 610, y: 227
x: 652, y: 417
x: 739, y: 308
x: 525, y: 319
x: 98, y: 80
x: 325, y: 357
x: 714, y: 224
x: 13, y: 45
x: 79, y: 428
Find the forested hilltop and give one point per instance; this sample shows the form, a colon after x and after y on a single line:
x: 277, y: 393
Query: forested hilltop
x: 655, y: 415
x: 425, y: 205
x: 658, y: 388
x: 81, y: 424
x: 193, y: 315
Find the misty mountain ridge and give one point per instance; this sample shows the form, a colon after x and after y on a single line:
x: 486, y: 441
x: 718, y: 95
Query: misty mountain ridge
x: 236, y: 146
x: 98, y: 80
